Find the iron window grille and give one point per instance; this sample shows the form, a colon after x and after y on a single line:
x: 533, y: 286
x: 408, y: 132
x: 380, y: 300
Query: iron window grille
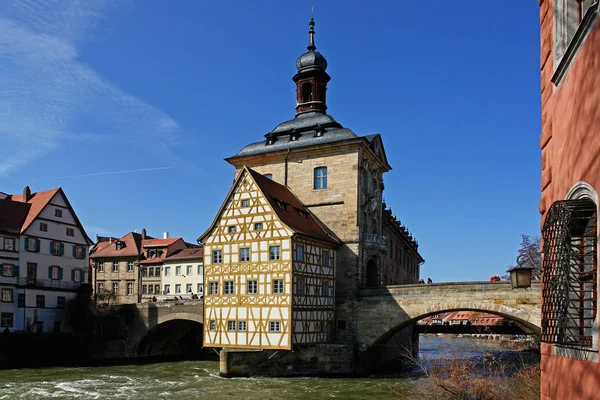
x: 569, y: 273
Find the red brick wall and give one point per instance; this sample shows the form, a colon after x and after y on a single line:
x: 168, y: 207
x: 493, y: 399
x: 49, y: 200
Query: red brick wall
x: 570, y: 143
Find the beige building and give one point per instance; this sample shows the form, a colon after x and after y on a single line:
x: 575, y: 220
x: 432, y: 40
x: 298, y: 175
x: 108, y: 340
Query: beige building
x: 183, y: 273
x: 129, y: 266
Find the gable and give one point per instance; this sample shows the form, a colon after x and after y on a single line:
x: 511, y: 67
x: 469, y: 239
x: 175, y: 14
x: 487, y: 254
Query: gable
x: 235, y: 213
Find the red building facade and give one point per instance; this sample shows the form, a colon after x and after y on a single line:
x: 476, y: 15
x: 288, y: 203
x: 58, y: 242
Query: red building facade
x: 570, y: 144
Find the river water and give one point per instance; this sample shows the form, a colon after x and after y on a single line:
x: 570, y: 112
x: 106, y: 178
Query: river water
x: 191, y: 380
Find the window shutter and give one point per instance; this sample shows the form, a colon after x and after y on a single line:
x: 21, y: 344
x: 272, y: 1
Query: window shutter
x: 74, y: 250
x: 72, y: 274
x: 16, y: 270
x: 62, y: 249
x: 37, y: 245
x: 26, y: 243
x: 51, y: 247
x: 50, y: 272
x: 60, y: 273
x: 81, y: 276
x: 83, y: 249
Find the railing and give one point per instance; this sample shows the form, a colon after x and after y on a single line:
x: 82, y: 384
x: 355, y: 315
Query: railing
x: 373, y: 240
x: 48, y: 283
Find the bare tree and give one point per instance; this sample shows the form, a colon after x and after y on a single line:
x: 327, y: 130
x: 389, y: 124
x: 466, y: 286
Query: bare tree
x: 531, y: 256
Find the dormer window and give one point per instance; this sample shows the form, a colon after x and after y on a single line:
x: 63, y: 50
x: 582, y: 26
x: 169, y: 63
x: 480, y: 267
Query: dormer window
x: 119, y: 245
x: 294, y: 136
x: 307, y: 92
x: 282, y: 205
x: 302, y: 214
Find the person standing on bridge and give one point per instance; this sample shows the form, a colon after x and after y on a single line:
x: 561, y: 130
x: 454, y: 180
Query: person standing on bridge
x: 429, y: 281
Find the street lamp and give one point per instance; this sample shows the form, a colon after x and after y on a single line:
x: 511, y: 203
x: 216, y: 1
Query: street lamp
x: 520, y: 275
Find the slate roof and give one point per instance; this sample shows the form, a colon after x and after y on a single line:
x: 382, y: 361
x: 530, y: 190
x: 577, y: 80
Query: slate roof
x: 304, y: 126
x: 306, y: 225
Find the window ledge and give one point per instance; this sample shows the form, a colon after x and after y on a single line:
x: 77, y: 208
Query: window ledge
x: 578, y: 353
x: 582, y: 32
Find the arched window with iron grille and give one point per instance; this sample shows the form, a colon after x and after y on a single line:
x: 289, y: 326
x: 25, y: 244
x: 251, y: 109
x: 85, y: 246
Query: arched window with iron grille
x: 569, y: 273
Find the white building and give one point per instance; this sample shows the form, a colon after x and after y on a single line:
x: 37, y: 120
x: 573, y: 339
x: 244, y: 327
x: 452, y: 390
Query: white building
x: 44, y: 256
x: 183, y: 273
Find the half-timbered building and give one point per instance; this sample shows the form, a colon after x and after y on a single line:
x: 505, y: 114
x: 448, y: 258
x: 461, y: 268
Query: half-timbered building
x: 269, y: 269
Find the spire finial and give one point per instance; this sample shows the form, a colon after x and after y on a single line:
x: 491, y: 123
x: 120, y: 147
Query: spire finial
x: 311, y: 32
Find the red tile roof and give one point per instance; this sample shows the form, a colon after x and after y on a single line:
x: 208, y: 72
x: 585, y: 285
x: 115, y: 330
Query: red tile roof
x: 132, y: 247
x: 159, y: 242
x: 297, y: 217
x: 38, y: 202
x: 187, y: 254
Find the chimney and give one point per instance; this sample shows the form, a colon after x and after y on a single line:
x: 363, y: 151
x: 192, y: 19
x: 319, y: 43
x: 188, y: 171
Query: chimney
x: 165, y: 235
x: 110, y: 240
x: 26, y: 194
x: 144, y: 234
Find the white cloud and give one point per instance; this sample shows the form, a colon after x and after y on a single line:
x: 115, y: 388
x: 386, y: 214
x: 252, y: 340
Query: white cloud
x: 47, y: 91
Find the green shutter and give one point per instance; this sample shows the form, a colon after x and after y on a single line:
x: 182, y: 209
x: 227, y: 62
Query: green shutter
x: 37, y: 245
x: 72, y: 274
x: 74, y: 250
x: 16, y: 270
x: 81, y: 276
x: 50, y: 272
x: 62, y: 249
x: 60, y: 273
x: 26, y: 243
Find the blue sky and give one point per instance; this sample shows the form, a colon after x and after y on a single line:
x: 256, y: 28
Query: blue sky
x: 173, y: 87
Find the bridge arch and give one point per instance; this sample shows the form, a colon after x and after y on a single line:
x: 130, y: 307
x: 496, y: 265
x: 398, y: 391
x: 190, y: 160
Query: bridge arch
x: 385, y: 312
x: 167, y: 331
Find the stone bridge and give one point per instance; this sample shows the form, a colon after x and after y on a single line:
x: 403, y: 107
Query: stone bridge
x: 384, y: 312
x: 179, y: 316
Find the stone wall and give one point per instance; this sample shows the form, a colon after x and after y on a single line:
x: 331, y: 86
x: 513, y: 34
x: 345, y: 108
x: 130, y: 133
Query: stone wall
x: 308, y: 360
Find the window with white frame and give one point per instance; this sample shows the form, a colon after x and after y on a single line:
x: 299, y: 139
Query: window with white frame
x: 213, y: 289
x: 7, y: 295
x: 8, y: 270
x: 228, y: 287
x: 167, y: 271
x: 231, y: 325
x: 100, y: 266
x: 200, y: 270
x: 178, y: 270
x: 54, y: 272
x: 43, y: 227
x: 129, y: 288
x: 231, y: 229
x: 274, y: 326
x: 76, y: 275
x: 178, y: 288
x: 70, y: 232
x: 245, y: 203
x: 212, y: 325
x: 274, y: 253
x: 6, y: 320
x: 320, y: 181
x: 217, y: 256
x: 9, y: 244
x: 130, y: 266
x: 115, y: 266
x: 100, y: 287
x: 242, y: 325
x: 277, y: 286
x: 57, y: 248
x: 200, y: 288
x: 188, y: 288
x: 150, y: 289
x: 167, y: 289
x: 115, y: 288
x: 245, y: 254
x: 258, y: 226
x: 189, y: 270
x: 252, y: 287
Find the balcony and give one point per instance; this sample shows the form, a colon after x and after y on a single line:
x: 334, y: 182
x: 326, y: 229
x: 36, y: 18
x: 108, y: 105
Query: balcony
x: 48, y: 283
x: 376, y: 242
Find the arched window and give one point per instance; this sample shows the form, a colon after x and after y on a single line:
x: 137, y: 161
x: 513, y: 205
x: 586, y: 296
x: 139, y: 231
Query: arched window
x: 307, y: 92
x: 568, y: 15
x: 569, y: 272
x: 320, y: 181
